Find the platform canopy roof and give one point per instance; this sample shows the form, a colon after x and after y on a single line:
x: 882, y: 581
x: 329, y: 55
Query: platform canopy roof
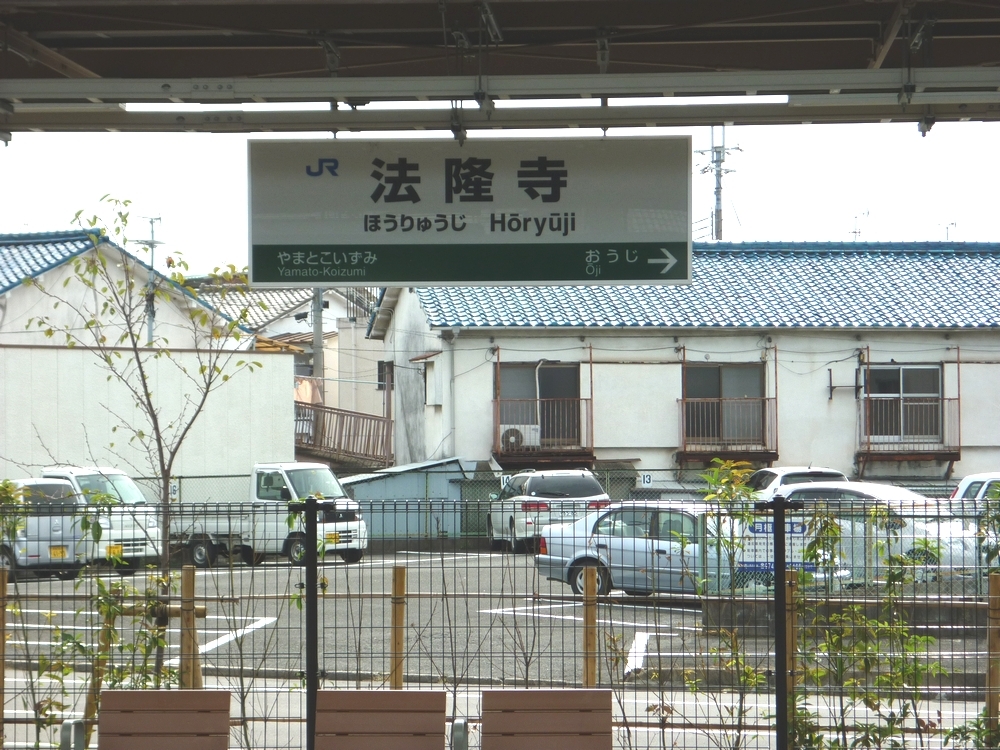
x: 73, y: 64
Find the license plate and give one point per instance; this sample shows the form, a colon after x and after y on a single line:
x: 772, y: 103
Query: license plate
x: 57, y: 553
x: 333, y: 538
x: 114, y: 550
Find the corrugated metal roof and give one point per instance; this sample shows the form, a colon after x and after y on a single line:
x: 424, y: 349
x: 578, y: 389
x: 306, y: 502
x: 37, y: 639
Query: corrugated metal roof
x: 760, y: 285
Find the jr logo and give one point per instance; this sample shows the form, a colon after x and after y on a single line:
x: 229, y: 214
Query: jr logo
x: 330, y: 165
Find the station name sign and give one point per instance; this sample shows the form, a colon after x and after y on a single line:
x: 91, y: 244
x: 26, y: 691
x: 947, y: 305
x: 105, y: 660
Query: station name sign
x: 486, y: 213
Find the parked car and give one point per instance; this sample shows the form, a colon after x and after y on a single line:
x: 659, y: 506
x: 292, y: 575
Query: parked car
x: 532, y: 499
x: 766, y: 481
x: 131, y: 525
x: 46, y: 539
x: 640, y: 547
x: 969, y: 498
x: 687, y: 547
x: 259, y: 526
x: 877, y: 521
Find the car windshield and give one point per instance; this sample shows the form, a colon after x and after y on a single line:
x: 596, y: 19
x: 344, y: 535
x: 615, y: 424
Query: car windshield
x: 567, y: 486
x: 116, y: 486
x: 44, y: 494
x: 307, y: 482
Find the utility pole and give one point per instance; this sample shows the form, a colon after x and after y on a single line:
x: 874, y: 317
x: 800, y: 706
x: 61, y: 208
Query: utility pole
x: 318, y: 365
x: 718, y: 158
x: 151, y: 244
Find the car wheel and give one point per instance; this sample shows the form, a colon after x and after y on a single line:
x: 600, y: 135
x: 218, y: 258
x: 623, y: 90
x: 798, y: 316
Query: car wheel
x: 249, y: 557
x: 203, y: 553
x: 495, y: 544
x: 352, y: 555
x: 515, y: 545
x: 576, y: 576
x: 8, y: 563
x: 297, y: 551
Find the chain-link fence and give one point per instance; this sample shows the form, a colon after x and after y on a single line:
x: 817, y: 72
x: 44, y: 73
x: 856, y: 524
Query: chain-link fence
x: 889, y: 624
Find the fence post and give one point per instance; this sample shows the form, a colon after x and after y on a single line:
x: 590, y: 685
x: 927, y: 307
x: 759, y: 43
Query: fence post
x: 3, y: 648
x: 791, y: 635
x: 190, y: 672
x: 590, y: 627
x: 993, y: 655
x: 398, y: 626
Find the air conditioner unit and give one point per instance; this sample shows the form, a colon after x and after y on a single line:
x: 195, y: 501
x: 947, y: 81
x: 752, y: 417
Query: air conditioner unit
x: 515, y: 437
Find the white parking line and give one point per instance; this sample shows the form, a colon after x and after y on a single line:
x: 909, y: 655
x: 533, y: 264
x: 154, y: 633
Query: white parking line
x: 228, y: 637
x: 637, y: 654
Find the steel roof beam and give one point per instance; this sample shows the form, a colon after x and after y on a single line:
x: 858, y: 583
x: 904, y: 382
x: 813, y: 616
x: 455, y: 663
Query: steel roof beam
x: 890, y: 32
x: 32, y: 51
x: 216, y: 90
x: 109, y: 117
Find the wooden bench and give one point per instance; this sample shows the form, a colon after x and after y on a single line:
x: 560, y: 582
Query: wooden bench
x: 163, y: 720
x: 568, y: 719
x: 380, y: 719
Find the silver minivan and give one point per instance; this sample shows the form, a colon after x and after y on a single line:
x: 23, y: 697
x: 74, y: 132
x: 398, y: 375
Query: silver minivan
x: 47, y: 537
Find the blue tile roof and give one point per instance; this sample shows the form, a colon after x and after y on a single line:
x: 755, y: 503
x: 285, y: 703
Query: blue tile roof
x: 29, y: 255
x: 761, y: 285
x: 25, y: 256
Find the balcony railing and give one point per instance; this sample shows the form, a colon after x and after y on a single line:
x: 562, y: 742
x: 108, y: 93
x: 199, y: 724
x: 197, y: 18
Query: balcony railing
x: 343, y: 435
x: 729, y: 425
x: 542, y: 425
x: 909, y: 425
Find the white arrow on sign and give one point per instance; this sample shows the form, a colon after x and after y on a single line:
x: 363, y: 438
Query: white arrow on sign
x: 668, y: 260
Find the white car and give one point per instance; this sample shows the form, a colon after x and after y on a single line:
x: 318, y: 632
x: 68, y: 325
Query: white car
x: 532, y: 499
x: 131, y: 526
x: 969, y: 498
x: 877, y: 521
x: 765, y: 482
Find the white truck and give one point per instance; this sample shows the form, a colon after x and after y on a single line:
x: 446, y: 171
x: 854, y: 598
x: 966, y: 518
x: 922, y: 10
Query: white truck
x: 130, y: 525
x: 265, y: 526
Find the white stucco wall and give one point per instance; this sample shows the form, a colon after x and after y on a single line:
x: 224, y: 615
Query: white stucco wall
x: 409, y: 336
x: 19, y: 306
x: 637, y: 378
x: 57, y: 405
x: 358, y: 359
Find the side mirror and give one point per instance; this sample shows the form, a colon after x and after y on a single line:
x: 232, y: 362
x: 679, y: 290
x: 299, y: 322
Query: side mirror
x: 494, y: 496
x: 285, y: 494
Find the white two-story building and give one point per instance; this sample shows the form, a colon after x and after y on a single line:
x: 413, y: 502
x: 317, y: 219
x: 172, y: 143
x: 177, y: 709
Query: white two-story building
x: 879, y: 359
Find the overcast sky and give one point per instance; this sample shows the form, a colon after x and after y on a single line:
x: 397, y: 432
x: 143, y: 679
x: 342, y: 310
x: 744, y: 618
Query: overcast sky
x: 803, y: 182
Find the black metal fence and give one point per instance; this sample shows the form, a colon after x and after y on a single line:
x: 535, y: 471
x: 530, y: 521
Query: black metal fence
x: 889, y: 619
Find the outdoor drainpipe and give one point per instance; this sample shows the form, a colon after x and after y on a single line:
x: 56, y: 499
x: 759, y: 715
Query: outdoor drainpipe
x: 448, y: 376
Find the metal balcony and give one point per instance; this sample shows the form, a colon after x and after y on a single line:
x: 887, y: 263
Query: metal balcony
x: 915, y: 428
x: 350, y: 439
x: 729, y: 428
x: 543, y: 429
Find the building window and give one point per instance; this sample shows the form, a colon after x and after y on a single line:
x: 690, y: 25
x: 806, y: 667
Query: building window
x: 724, y: 404
x: 538, y: 404
x: 386, y: 373
x: 903, y: 402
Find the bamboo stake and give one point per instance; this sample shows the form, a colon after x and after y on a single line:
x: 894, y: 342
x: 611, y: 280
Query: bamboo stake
x: 791, y: 636
x: 993, y: 658
x: 590, y: 627
x: 190, y: 671
x: 398, y: 626
x: 3, y: 648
